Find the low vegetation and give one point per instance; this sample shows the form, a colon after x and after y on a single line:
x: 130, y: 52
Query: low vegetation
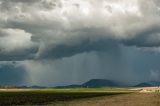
x: 47, y: 96
x: 132, y: 99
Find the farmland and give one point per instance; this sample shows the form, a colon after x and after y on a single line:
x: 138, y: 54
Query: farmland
x: 132, y: 99
x: 52, y: 96
x: 78, y: 97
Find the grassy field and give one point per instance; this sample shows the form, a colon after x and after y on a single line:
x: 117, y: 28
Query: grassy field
x: 54, y: 96
x: 78, y: 97
x: 132, y: 99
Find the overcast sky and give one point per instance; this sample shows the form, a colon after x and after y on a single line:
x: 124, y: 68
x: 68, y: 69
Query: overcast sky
x: 56, y: 42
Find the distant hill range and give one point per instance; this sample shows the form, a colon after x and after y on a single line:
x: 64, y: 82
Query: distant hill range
x: 101, y: 83
x: 98, y: 83
x: 148, y: 84
x: 143, y: 85
x: 94, y: 83
x: 34, y: 87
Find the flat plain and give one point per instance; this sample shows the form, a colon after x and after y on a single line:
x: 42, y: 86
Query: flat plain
x: 78, y: 97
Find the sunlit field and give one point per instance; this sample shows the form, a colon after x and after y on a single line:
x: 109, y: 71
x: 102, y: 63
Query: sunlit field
x: 55, y: 96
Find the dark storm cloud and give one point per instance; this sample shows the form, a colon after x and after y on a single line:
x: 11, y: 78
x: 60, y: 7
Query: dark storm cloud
x: 61, y: 51
x: 15, y: 44
x: 84, y: 31
x: 148, y: 37
x: 60, y: 28
x: 18, y: 55
x: 145, y: 40
x: 11, y: 74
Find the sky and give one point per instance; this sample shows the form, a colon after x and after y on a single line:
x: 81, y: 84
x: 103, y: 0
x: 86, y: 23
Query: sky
x: 61, y: 42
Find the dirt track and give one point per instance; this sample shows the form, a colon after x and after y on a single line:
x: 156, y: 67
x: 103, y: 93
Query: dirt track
x: 15, y: 90
x: 148, y: 89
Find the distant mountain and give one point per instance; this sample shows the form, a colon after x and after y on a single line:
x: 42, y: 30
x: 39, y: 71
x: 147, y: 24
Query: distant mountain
x: 98, y: 83
x: 143, y: 85
x: 94, y: 83
x: 69, y: 86
x: 154, y: 83
x: 22, y: 87
x: 37, y: 87
x: 148, y: 84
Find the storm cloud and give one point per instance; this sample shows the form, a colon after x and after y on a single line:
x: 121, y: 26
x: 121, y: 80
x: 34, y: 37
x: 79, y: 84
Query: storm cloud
x: 57, y: 25
x: 61, y: 30
x: 13, y: 74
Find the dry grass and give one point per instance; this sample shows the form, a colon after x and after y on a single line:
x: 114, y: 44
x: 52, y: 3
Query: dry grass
x: 134, y: 99
x: 43, y: 97
x: 78, y: 97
